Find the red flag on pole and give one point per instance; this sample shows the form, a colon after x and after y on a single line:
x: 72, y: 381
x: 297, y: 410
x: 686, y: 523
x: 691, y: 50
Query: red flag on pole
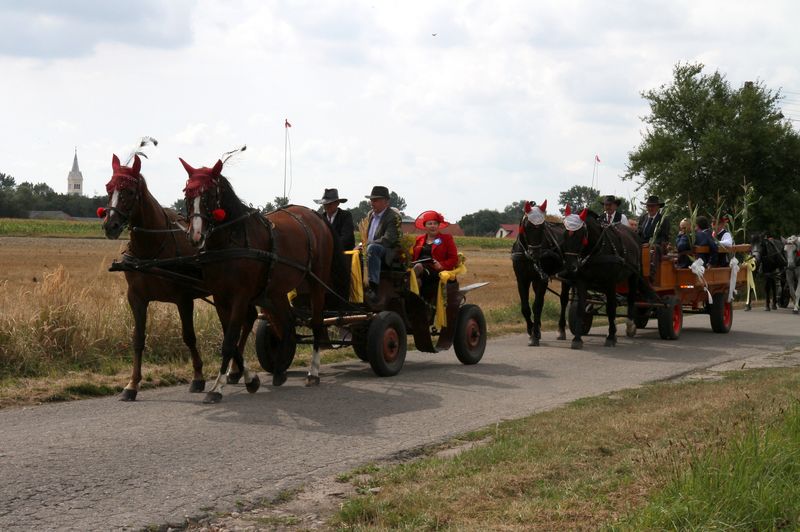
x: 596, y: 157
x: 287, y: 123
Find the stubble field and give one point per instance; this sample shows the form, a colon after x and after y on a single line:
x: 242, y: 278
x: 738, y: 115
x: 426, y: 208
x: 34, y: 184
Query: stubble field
x: 65, y: 326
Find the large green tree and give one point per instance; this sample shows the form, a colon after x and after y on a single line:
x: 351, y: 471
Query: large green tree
x: 578, y: 197
x: 706, y: 143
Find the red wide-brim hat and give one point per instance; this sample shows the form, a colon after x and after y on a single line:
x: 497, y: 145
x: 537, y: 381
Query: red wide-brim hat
x: 419, y: 223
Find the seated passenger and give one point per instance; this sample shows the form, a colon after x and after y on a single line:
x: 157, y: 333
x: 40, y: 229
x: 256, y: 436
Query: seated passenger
x: 653, y: 225
x: 683, y: 245
x: 703, y: 238
x: 724, y: 237
x: 433, y: 252
x: 611, y: 215
x: 383, y: 237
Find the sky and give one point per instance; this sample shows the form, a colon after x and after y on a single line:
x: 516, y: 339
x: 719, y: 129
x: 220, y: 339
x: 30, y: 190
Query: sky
x: 454, y: 105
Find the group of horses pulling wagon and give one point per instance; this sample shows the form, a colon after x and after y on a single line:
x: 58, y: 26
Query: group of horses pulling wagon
x: 285, y: 270
x: 603, y: 267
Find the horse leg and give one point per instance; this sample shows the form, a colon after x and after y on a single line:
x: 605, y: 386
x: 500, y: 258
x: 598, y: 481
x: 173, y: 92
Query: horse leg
x: 214, y: 395
x: 139, y: 310
x: 186, y: 312
x: 523, y: 288
x: 580, y: 290
x: 539, y: 290
x: 611, y: 310
x: 562, y: 318
x: 251, y: 380
x: 320, y: 334
x: 769, y: 287
x: 630, y: 325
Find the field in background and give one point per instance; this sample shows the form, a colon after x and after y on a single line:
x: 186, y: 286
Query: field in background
x: 51, y: 228
x: 65, y: 317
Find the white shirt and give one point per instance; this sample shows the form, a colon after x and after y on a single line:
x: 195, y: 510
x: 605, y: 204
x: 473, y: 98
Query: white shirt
x: 623, y: 219
x: 374, y: 223
x: 727, y: 239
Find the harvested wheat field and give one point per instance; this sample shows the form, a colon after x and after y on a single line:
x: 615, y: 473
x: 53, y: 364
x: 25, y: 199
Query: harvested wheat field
x: 65, y: 321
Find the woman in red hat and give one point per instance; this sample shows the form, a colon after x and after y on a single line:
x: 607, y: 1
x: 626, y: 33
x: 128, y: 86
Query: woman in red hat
x: 433, y: 251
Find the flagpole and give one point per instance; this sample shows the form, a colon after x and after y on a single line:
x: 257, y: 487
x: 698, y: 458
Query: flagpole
x: 285, y: 151
x: 594, y: 172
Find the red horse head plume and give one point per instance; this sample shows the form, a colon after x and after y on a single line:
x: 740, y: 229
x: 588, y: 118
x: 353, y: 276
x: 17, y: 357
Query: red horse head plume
x: 200, y: 179
x: 124, y: 177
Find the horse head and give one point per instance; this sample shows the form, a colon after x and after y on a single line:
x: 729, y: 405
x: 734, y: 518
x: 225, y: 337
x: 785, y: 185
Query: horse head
x: 124, y: 191
x: 576, y: 239
x: 205, y: 196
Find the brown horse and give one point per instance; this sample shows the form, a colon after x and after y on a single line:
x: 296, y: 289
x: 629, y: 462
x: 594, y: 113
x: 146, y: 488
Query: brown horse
x: 251, y: 259
x: 152, y: 236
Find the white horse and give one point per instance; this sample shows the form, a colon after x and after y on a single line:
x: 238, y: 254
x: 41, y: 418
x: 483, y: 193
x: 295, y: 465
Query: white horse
x: 791, y: 248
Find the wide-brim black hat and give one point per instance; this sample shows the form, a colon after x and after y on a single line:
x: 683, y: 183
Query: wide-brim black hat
x: 612, y: 199
x: 378, y: 192
x: 653, y: 200
x: 329, y: 196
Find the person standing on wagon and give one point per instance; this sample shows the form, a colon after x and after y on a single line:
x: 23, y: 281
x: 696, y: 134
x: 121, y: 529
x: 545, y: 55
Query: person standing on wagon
x: 611, y: 215
x: 435, y: 251
x: 383, y: 237
x: 653, y: 220
x: 724, y: 237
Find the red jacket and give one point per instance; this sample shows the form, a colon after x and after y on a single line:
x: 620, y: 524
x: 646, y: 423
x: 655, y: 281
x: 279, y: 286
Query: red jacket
x: 445, y: 253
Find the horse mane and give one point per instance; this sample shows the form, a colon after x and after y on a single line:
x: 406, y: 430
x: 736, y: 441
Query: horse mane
x: 232, y: 204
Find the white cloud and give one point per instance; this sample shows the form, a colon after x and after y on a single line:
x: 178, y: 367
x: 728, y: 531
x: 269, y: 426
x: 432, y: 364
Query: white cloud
x: 509, y: 100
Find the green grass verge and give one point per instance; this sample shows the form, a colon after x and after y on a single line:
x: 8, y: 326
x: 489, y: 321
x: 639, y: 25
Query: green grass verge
x: 51, y: 228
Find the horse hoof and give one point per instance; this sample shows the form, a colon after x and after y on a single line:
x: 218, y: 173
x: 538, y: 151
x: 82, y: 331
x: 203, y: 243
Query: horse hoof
x: 611, y: 342
x: 562, y: 334
x: 795, y: 311
x: 234, y: 378
x: 576, y: 344
x: 197, y: 386
x: 747, y: 308
x: 630, y: 329
x: 767, y: 309
x: 212, y: 398
x: 774, y: 307
x: 279, y: 378
x: 253, y: 385
x: 312, y: 380
x: 533, y: 341
x: 128, y: 395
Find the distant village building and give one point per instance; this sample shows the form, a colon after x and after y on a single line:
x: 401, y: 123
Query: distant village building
x: 75, y: 178
x: 507, y: 231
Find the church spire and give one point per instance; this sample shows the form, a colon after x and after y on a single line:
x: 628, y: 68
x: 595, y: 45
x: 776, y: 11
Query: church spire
x: 75, y: 177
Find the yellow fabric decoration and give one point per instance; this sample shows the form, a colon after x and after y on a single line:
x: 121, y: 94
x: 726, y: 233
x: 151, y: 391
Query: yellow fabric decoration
x: 413, y: 285
x: 356, y: 281
x: 291, y: 295
x: 450, y: 275
x: 750, y: 264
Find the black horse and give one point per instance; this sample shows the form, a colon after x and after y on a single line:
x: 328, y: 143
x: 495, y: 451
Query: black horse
x: 771, y: 262
x: 599, y: 258
x: 536, y: 256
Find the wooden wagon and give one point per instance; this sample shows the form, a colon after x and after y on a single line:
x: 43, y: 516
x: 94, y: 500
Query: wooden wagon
x: 672, y: 292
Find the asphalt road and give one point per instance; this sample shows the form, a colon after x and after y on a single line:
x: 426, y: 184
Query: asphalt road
x: 103, y: 464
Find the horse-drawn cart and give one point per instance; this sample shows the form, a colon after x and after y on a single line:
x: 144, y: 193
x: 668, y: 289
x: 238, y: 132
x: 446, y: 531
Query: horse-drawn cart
x: 378, y: 333
x: 669, y: 292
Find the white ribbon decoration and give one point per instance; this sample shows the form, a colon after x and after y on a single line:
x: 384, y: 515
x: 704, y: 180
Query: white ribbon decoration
x: 573, y: 222
x: 734, y: 264
x: 699, y: 270
x: 536, y: 216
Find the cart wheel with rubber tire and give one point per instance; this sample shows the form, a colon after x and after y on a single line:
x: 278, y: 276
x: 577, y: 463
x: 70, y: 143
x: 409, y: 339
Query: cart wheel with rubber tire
x: 386, y: 344
x: 721, y: 313
x: 268, y: 345
x: 641, y: 316
x: 469, y: 341
x: 359, y: 332
x: 670, y: 319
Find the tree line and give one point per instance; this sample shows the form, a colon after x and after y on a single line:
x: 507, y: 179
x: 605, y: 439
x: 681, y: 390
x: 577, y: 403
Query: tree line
x: 16, y: 200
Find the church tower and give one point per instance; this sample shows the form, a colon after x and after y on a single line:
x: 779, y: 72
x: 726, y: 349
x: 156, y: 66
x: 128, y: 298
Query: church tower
x: 75, y: 178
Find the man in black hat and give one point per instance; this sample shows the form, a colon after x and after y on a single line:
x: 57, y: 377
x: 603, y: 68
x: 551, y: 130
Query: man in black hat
x: 653, y: 222
x: 340, y: 219
x: 611, y: 215
x: 383, y: 237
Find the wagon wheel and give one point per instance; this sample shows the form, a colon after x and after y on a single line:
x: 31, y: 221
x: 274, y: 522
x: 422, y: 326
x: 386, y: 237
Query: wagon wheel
x: 359, y: 332
x: 386, y: 344
x: 572, y: 317
x: 470, y: 336
x: 670, y: 319
x: 721, y: 313
x: 268, y: 346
